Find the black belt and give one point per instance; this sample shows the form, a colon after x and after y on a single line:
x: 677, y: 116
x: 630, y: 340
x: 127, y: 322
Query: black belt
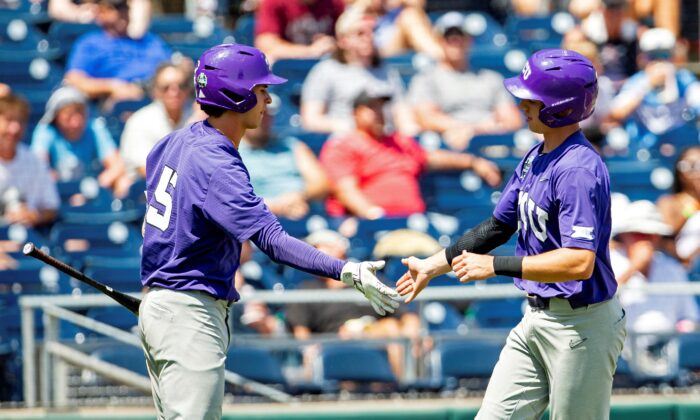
x: 540, y: 302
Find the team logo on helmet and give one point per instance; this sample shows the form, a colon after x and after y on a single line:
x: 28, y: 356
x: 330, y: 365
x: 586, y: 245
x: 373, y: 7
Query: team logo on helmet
x: 202, y: 80
x: 526, y: 70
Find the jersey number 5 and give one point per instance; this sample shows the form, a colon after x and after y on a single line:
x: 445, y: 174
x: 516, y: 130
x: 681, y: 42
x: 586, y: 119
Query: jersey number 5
x: 162, y: 197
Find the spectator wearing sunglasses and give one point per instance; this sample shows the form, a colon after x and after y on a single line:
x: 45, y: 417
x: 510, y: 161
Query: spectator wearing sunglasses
x: 172, y: 108
x: 681, y: 208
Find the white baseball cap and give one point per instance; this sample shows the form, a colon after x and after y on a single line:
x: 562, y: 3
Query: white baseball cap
x: 657, y: 40
x: 641, y: 217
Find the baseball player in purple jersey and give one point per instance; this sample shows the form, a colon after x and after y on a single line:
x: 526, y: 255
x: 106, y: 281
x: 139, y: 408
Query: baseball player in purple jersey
x: 201, y: 207
x: 565, y: 349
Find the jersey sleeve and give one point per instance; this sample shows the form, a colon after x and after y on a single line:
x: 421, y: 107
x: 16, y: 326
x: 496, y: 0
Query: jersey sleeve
x: 232, y: 204
x: 578, y: 193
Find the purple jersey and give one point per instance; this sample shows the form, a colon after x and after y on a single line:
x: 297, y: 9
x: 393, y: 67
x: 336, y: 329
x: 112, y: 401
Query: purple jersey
x: 201, y: 207
x: 561, y: 199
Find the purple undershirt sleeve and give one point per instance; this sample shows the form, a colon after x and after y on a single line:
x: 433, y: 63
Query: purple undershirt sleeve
x: 284, y: 249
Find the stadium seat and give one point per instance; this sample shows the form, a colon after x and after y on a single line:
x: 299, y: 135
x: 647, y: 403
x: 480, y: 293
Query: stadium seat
x: 538, y: 32
x: 688, y: 359
x: 64, y: 34
x: 124, y: 278
x: 120, y: 112
x: 289, y: 94
x: 315, y: 141
x: 505, y: 61
x: 73, y: 242
x: 497, y: 313
x: 116, y: 316
x: 465, y: 363
x: 257, y: 364
x: 355, y: 363
x: 640, y: 180
x: 244, y: 31
x: 26, y: 74
x: 20, y: 39
x: 123, y: 355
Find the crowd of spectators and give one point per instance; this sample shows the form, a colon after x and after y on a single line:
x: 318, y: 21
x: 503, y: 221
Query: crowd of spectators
x: 370, y: 165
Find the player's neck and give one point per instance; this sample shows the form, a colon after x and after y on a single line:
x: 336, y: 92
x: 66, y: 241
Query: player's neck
x: 230, y: 126
x: 554, y: 137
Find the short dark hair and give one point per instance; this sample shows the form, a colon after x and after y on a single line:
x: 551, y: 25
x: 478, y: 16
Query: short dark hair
x: 213, y: 111
x: 15, y: 102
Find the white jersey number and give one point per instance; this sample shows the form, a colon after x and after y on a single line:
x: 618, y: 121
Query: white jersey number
x: 162, y: 197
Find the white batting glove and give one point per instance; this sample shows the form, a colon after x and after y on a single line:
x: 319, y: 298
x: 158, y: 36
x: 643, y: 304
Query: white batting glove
x: 361, y: 276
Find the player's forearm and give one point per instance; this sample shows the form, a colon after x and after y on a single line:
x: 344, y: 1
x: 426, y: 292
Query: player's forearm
x: 559, y: 265
x: 283, y: 249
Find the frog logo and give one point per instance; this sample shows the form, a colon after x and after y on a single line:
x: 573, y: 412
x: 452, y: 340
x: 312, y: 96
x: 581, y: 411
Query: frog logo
x: 202, y: 80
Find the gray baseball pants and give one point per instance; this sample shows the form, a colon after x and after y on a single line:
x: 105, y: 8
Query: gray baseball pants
x: 561, y: 357
x: 185, y: 338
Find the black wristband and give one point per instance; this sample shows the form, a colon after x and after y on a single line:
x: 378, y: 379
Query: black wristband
x: 508, y: 266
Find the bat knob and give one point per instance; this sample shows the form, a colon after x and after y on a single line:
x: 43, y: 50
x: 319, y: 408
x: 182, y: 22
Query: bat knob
x: 28, y: 248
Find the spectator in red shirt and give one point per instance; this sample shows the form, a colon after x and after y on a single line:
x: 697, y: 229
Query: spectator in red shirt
x: 296, y: 28
x: 375, y: 174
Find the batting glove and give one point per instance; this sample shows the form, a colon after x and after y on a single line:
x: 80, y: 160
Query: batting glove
x: 361, y: 276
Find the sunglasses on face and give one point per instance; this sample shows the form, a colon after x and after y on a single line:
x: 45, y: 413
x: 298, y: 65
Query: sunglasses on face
x: 686, y: 166
x: 166, y: 87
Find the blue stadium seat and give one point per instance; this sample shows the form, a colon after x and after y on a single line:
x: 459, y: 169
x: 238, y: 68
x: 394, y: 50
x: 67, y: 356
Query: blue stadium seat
x: 538, y: 32
x: 497, y: 313
x: 255, y: 363
x: 123, y: 355
x: 20, y: 39
x: 116, y: 316
x: 64, y: 34
x: 465, y: 363
x: 73, y: 242
x: 124, y: 278
x: 688, y: 359
x: 441, y: 316
x: 29, y: 11
x: 289, y: 94
x: 505, y: 61
x: 26, y: 74
x: 244, y: 31
x: 484, y: 30
x: 120, y: 112
x: 351, y: 362
x: 640, y: 180
x: 315, y: 141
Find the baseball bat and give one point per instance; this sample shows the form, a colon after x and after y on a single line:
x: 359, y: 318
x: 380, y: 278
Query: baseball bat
x: 129, y: 302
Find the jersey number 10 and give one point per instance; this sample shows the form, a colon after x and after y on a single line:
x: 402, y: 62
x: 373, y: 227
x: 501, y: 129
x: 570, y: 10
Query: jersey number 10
x: 162, y: 197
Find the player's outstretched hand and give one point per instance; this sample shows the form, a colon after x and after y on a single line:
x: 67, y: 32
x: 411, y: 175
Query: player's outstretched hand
x: 415, y: 279
x: 362, y: 277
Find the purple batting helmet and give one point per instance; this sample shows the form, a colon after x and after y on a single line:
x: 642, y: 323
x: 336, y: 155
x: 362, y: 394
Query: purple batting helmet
x: 565, y: 81
x: 226, y: 75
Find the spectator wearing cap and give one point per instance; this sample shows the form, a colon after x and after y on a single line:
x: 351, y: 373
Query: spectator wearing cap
x: 453, y: 100
x: 172, y: 108
x: 283, y: 170
x: 636, y: 261
x: 296, y: 28
x: 332, y: 85
x: 28, y: 194
x: 374, y: 172
x: 76, y: 146
x: 660, y: 97
x: 348, y: 320
x: 109, y: 63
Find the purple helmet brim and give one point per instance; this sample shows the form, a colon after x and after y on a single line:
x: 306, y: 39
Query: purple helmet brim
x: 271, y: 79
x: 517, y: 88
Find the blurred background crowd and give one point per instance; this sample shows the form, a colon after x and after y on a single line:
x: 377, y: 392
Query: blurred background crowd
x: 392, y: 137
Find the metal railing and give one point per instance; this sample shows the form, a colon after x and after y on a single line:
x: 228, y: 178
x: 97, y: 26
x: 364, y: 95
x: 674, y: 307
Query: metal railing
x: 54, y: 356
